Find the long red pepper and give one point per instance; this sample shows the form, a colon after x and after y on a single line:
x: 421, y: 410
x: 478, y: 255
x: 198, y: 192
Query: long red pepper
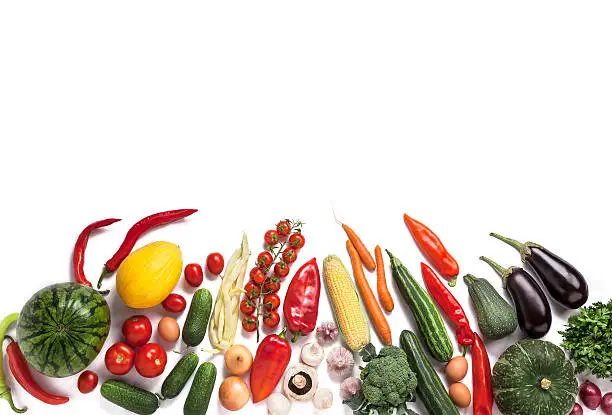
x: 449, y: 305
x: 21, y: 373
x: 432, y: 247
x: 482, y: 388
x: 301, y: 305
x: 136, y: 231
x: 78, y: 255
x: 271, y: 360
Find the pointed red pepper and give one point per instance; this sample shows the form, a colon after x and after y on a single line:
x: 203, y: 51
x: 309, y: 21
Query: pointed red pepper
x: 432, y: 247
x: 301, y: 305
x: 271, y: 360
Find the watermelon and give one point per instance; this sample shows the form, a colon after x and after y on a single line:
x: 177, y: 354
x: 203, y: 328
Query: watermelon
x: 62, y: 328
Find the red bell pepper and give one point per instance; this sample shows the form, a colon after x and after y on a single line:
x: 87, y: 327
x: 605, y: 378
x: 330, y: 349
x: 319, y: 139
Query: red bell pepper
x: 301, y: 305
x: 271, y: 360
x: 482, y: 386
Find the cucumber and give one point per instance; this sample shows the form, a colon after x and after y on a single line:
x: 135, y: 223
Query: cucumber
x: 132, y: 398
x: 496, y: 317
x: 197, y: 318
x: 201, y: 389
x: 430, y: 388
x: 428, y: 319
x: 179, y: 375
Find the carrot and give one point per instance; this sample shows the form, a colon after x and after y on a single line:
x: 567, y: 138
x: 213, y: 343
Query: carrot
x: 363, y: 252
x: 377, y: 317
x: 381, y: 281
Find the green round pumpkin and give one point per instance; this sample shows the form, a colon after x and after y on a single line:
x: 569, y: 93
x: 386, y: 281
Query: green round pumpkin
x: 534, y: 377
x: 62, y: 328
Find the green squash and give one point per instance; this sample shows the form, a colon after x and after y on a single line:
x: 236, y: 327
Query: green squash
x: 534, y: 377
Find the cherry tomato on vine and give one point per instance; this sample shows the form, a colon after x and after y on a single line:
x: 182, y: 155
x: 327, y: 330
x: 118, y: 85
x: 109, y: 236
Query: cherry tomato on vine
x: 247, y: 307
x: 271, y: 319
x: 174, y: 303
x: 272, y: 285
x: 283, y: 228
x: 151, y: 360
x: 194, y: 274
x: 281, y: 269
x: 271, y: 237
x: 257, y: 276
x: 252, y: 290
x: 215, y: 263
x: 297, y: 240
x: 249, y: 324
x: 119, y: 358
x: 289, y: 255
x: 137, y: 330
x: 87, y: 382
x: 264, y: 260
x: 271, y: 301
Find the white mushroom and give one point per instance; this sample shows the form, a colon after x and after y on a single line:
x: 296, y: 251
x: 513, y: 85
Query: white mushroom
x: 323, y: 398
x: 300, y: 382
x: 312, y: 354
x: 278, y: 404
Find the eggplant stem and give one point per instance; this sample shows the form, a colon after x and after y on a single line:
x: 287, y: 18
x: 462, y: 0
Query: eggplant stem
x: 512, y: 242
x: 500, y: 270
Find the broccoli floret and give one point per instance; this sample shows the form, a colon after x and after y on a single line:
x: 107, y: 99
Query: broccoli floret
x: 388, y: 381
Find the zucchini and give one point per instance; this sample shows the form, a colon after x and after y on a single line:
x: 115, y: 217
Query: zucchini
x: 179, y: 375
x: 496, y: 317
x: 201, y: 389
x: 197, y: 317
x: 430, y: 388
x: 428, y: 319
x: 132, y: 398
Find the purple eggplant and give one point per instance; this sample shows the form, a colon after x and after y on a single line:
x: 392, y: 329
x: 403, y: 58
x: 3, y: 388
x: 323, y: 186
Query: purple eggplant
x: 562, y: 280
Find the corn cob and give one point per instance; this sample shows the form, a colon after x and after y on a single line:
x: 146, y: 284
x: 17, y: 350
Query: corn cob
x: 346, y: 306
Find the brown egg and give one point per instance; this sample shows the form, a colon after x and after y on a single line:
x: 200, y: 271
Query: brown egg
x: 460, y: 395
x: 169, y: 329
x: 456, y: 369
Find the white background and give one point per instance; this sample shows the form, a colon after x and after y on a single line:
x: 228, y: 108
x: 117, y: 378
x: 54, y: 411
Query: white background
x: 474, y: 117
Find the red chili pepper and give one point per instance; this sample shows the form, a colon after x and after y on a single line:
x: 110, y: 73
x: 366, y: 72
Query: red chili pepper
x: 136, y: 231
x: 21, y: 373
x: 482, y: 387
x: 271, y: 360
x: 301, y: 305
x: 431, y: 246
x: 449, y: 305
x: 78, y: 256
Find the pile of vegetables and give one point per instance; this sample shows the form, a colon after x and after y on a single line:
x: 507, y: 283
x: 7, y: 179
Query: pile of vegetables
x: 63, y: 327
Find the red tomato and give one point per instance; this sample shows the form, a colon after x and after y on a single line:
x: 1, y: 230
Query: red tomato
x: 257, y: 275
x: 271, y: 319
x: 271, y: 301
x: 289, y: 255
x: 281, y: 269
x: 247, y: 307
x: 252, y: 290
x: 271, y: 237
x: 87, y: 382
x: 297, y: 240
x: 249, y: 324
x: 283, y: 228
x: 174, y: 303
x: 119, y: 358
x: 194, y: 274
x: 215, y: 263
x: 151, y: 360
x: 264, y: 260
x: 272, y: 285
x: 137, y: 330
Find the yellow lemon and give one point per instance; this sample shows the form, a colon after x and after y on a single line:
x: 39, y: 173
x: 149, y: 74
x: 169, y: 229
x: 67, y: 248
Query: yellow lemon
x: 148, y: 275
